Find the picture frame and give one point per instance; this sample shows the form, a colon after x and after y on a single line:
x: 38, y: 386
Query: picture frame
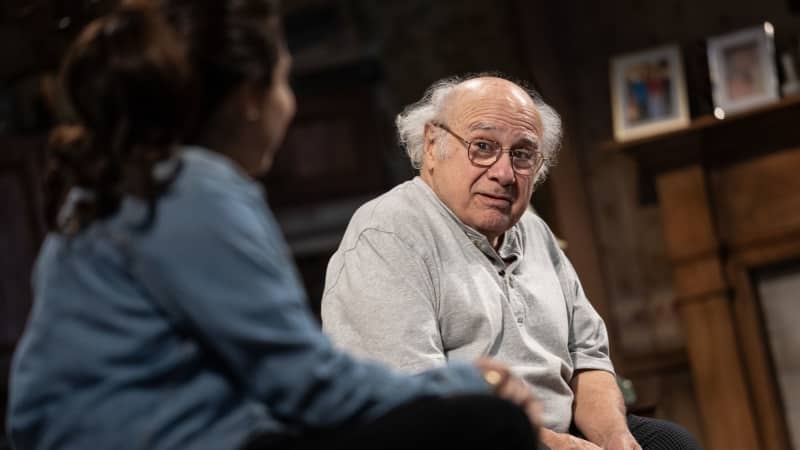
x: 742, y: 70
x: 648, y: 93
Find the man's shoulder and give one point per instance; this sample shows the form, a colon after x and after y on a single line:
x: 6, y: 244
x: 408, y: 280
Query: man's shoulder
x: 531, y: 224
x: 536, y: 233
x: 401, y: 210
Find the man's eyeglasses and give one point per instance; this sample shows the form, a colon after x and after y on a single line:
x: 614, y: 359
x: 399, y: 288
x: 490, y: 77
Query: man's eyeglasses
x: 484, y: 153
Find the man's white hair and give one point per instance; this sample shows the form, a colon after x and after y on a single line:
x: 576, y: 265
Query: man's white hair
x: 411, y: 122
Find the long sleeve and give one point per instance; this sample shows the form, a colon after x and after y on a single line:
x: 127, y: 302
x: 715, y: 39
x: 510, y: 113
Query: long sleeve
x: 222, y: 272
x: 379, y: 301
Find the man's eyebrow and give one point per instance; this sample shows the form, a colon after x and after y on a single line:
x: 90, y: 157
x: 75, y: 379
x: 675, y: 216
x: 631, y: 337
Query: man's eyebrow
x: 530, y: 140
x: 481, y: 126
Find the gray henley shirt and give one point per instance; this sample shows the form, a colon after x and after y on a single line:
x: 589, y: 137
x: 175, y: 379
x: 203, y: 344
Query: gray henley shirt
x: 413, y: 286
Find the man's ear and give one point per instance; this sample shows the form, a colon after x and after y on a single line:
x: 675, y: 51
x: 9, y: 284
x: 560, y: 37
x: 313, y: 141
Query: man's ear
x: 429, y: 145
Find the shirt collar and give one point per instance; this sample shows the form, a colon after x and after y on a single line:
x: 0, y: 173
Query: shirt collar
x: 510, y: 247
x: 213, y: 159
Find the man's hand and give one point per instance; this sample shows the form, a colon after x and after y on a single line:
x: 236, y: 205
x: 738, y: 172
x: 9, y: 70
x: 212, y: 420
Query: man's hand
x: 561, y: 441
x: 510, y: 387
x: 621, y: 440
x: 599, y: 411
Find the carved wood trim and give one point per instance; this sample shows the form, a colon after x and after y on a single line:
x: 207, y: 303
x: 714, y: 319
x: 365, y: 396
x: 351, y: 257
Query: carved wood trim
x: 724, y: 399
x: 704, y: 306
x: 749, y: 322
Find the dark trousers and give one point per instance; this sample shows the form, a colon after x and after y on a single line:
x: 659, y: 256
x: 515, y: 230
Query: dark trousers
x: 655, y: 434
x: 462, y: 422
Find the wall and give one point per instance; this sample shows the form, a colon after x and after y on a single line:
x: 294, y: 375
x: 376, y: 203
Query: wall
x: 625, y: 216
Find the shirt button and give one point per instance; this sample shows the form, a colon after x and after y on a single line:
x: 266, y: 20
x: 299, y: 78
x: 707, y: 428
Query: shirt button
x: 502, y: 273
x: 519, y: 320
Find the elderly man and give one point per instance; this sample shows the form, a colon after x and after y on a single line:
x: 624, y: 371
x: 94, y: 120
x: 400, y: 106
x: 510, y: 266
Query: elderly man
x: 453, y: 265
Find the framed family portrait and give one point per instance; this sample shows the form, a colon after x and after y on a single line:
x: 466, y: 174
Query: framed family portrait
x: 648, y: 93
x: 742, y: 69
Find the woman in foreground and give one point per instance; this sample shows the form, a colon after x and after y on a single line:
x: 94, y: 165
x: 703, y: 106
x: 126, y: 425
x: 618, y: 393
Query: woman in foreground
x: 167, y: 312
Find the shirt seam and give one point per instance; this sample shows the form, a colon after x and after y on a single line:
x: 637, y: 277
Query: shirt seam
x: 425, y: 262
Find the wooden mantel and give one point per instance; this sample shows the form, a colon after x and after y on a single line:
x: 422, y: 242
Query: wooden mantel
x: 729, y: 196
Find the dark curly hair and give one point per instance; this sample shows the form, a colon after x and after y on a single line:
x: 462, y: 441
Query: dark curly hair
x: 125, y: 79
x: 140, y: 80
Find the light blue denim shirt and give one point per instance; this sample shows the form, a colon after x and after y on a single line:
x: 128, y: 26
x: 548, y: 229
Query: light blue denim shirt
x: 190, y: 334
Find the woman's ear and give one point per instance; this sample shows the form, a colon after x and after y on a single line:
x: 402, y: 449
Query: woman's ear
x: 248, y: 98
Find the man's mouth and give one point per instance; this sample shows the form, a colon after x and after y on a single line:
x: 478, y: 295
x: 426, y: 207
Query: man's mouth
x: 498, y: 198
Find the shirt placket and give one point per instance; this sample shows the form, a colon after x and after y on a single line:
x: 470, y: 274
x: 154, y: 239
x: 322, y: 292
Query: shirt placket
x: 514, y: 297
x: 505, y: 272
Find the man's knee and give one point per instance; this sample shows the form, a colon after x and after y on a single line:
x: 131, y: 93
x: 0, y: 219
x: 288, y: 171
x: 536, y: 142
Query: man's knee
x: 655, y: 434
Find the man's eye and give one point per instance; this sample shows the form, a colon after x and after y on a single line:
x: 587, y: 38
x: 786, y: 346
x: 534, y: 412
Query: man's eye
x: 483, y: 147
x: 522, y: 154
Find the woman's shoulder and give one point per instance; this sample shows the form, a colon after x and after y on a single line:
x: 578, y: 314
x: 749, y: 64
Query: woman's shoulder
x: 204, y: 172
x: 210, y: 202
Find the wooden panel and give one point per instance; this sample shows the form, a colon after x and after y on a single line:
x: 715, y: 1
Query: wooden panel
x: 723, y: 398
x: 756, y: 355
x: 688, y: 226
x: 758, y: 200
x: 719, y: 378
x: 699, y: 277
x: 337, y: 137
x: 754, y: 348
x: 775, y: 250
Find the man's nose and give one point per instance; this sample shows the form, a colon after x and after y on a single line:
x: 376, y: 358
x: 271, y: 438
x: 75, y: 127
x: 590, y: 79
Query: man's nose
x: 502, y: 171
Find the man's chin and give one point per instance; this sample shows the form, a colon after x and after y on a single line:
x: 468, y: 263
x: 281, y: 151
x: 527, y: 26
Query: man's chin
x: 494, y: 223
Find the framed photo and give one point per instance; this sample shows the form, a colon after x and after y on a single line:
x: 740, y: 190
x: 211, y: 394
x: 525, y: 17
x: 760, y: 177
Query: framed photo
x: 648, y: 93
x: 742, y: 69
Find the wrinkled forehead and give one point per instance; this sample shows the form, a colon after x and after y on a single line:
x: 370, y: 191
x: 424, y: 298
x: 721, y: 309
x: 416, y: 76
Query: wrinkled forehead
x: 493, y: 102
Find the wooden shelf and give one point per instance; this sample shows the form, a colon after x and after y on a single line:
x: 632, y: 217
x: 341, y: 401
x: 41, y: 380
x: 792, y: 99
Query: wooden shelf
x: 713, y: 142
x: 701, y: 123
